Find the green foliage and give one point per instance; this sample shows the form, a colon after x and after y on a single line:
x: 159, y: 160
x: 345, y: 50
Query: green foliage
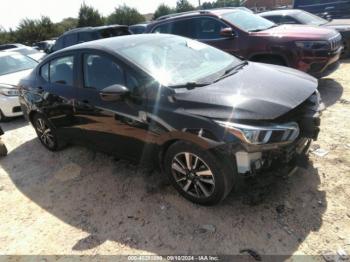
x: 33, y: 30
x: 162, y: 10
x: 221, y: 3
x: 184, y: 6
x: 88, y: 16
x: 124, y: 15
x: 66, y: 24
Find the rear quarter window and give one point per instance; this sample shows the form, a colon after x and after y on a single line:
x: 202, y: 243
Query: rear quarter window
x: 44, y: 72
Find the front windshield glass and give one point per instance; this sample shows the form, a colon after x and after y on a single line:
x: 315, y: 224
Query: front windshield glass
x: 247, y: 21
x: 14, y: 63
x: 176, y: 61
x: 310, y: 19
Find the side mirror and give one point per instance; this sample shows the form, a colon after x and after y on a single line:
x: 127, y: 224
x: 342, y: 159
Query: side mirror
x: 227, y: 32
x: 113, y: 93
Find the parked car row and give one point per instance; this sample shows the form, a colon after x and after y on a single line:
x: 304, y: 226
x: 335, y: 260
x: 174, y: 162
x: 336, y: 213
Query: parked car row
x: 206, y: 112
x: 295, y: 16
x: 310, y: 49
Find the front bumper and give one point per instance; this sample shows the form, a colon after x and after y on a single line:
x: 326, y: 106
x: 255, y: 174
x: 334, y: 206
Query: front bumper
x: 280, y: 160
x: 9, y: 106
x: 321, y: 63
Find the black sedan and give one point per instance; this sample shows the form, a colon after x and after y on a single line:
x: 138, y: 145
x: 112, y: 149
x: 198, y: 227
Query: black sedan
x: 295, y: 16
x: 206, y: 118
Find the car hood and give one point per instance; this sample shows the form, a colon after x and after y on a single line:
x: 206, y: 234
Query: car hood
x: 14, y: 78
x: 304, y: 32
x: 339, y: 24
x: 256, y: 92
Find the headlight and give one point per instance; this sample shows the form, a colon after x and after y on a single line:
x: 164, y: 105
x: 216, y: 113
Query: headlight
x: 258, y: 135
x: 313, y: 45
x: 9, y: 91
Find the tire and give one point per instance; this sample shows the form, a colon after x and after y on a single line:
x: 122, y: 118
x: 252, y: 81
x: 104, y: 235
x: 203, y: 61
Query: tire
x: 2, y: 117
x: 3, y: 149
x: 210, y: 180
x: 46, y: 133
x: 346, y: 51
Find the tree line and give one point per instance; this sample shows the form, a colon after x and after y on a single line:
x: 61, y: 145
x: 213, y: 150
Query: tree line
x: 30, y: 31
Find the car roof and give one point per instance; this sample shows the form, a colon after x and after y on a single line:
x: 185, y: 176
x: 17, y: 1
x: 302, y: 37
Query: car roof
x: 281, y: 12
x: 216, y: 12
x: 113, y: 44
x: 92, y: 29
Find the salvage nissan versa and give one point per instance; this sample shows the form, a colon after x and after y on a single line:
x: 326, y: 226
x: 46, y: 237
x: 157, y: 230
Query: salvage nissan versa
x: 205, y: 117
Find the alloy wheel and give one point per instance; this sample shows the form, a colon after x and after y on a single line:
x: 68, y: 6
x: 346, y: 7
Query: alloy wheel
x: 45, y: 133
x: 193, y: 175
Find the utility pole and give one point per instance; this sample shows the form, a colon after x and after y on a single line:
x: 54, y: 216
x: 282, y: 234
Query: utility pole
x: 199, y: 3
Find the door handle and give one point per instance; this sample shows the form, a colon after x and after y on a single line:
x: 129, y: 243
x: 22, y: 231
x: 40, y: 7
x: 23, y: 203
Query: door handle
x: 86, y: 102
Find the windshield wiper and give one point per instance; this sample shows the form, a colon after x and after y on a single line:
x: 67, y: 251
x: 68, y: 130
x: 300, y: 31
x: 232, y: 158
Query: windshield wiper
x: 232, y: 70
x: 190, y: 85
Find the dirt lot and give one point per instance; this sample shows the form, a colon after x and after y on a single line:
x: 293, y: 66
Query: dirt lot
x: 80, y: 202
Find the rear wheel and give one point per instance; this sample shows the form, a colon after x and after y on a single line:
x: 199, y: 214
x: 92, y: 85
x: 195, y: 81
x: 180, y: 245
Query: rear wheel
x: 46, y: 133
x: 198, y: 175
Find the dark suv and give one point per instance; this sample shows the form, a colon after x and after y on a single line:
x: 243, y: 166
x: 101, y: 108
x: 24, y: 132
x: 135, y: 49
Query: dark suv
x: 86, y: 34
x: 326, y: 8
x: 311, y: 49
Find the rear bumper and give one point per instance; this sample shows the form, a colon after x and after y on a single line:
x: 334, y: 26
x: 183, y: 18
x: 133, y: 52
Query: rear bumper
x: 10, y: 106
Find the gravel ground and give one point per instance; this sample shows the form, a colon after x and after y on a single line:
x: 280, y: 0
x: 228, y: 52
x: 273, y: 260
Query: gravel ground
x: 80, y: 202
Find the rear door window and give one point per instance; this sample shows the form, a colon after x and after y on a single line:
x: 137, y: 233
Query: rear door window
x: 62, y: 70
x: 163, y: 29
x: 86, y: 37
x: 184, y: 28
x: 71, y: 39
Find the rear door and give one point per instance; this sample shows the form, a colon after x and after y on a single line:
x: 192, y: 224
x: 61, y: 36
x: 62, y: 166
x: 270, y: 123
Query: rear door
x: 58, y: 89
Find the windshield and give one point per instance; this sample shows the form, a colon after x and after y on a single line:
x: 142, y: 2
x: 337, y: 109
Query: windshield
x: 247, y: 21
x: 176, y: 61
x: 14, y: 63
x: 310, y: 19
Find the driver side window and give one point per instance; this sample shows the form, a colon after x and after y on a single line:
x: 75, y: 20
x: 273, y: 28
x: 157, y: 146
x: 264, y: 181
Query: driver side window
x: 101, y: 72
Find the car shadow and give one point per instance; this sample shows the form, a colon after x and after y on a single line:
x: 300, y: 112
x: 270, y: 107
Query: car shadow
x: 118, y: 201
x: 13, y: 123
x: 330, y: 90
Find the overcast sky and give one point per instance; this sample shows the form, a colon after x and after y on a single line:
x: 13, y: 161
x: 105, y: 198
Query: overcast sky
x: 12, y: 11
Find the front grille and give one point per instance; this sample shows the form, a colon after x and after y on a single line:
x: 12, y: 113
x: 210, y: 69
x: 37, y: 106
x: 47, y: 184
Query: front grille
x: 16, y: 109
x: 335, y: 42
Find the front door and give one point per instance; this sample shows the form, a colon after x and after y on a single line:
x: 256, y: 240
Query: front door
x: 208, y: 31
x: 117, y: 127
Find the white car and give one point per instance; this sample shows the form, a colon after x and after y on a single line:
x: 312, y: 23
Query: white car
x: 13, y: 67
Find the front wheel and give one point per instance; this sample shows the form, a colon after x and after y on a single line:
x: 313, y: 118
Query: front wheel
x: 197, y: 174
x: 3, y: 149
x: 46, y: 133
